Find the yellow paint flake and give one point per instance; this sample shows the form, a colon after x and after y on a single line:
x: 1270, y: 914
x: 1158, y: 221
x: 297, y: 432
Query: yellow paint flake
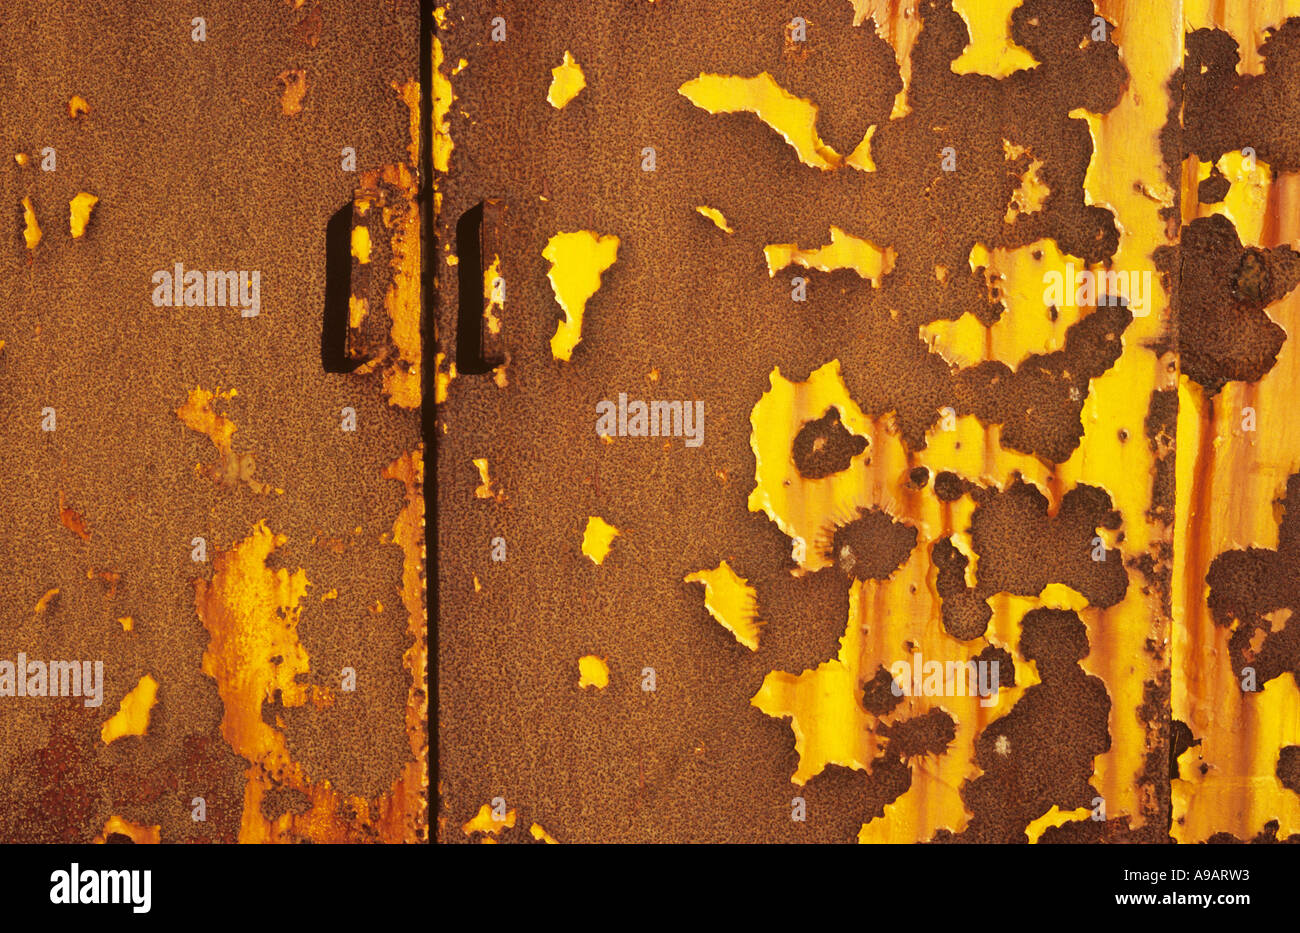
x: 22, y: 158
x: 715, y: 215
x: 731, y: 601
x: 898, y: 22
x: 542, y: 835
x: 361, y: 244
x: 31, y: 229
x: 991, y: 50
x: 357, y: 310
x: 845, y: 251
x: 1245, y: 204
x: 577, y: 260
x: 139, y: 833
x: 1017, y: 279
x: 494, y: 291
x: 793, y: 117
x: 127, y: 623
x: 442, y: 378
x: 483, y: 822
x: 79, y: 211
x: 1053, y: 818
x: 860, y: 158
x: 567, y: 81
x: 486, y: 489
x: 797, y: 505
x: 593, y: 672
x: 132, y: 716
x: 77, y: 106
x: 44, y: 602
x: 597, y: 538
x: 442, y: 100
x: 827, y: 695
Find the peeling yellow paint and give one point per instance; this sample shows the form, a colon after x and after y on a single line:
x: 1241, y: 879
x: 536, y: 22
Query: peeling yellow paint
x: 361, y: 244
x: 860, y: 158
x: 1017, y: 279
x: 991, y: 50
x: 442, y: 378
x: 793, y: 117
x: 898, y: 22
x: 495, y: 293
x: 1032, y: 193
x: 442, y: 100
x: 79, y: 212
x: 483, y: 822
x: 597, y: 538
x: 198, y: 414
x: 1053, y: 818
x: 132, y: 716
x: 567, y: 81
x: 731, y: 601
x: 44, y: 602
x: 845, y: 251
x: 486, y: 488
x: 138, y: 833
x: 577, y: 261
x: 801, y: 507
x: 31, y: 229
x: 715, y: 215
x: 541, y: 835
x: 593, y: 672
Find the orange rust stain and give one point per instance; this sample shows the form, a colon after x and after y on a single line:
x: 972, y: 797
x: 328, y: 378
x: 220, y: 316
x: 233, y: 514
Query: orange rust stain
x: 72, y: 519
x: 410, y: 794
x: 199, y: 415
x: 293, y: 88
x: 251, y: 613
x: 109, y: 579
x: 401, y: 217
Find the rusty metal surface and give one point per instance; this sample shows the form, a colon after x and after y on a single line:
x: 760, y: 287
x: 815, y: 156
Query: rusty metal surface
x: 930, y: 457
x: 276, y: 669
